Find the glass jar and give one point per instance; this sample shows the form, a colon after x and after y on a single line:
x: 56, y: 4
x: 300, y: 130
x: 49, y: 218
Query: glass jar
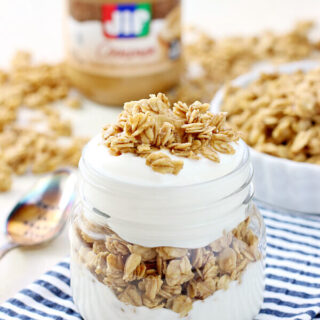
x: 119, y: 51
x: 152, y: 252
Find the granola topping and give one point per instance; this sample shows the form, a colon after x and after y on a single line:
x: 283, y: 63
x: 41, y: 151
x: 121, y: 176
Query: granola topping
x: 148, y: 127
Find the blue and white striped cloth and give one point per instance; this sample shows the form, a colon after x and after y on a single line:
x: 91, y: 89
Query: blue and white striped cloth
x: 292, y: 277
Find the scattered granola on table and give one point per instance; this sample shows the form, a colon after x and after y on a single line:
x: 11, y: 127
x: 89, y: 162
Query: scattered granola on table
x: 167, y: 277
x: 148, y: 126
x: 279, y: 114
x: 218, y: 60
x: 23, y: 145
x: 221, y: 60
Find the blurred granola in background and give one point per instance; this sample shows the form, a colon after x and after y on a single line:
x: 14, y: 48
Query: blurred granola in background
x: 39, y: 144
x: 34, y: 141
x: 209, y: 62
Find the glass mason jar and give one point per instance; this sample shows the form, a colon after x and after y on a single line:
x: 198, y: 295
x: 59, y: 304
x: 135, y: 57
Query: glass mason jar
x: 190, y: 252
x: 122, y: 50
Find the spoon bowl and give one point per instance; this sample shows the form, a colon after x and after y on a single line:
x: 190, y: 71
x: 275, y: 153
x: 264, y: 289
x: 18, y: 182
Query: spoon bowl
x: 42, y: 213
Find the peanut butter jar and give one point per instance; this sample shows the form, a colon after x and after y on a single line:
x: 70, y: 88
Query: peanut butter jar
x: 122, y: 50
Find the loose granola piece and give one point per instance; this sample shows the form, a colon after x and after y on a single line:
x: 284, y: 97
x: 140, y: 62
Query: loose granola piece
x: 140, y: 272
x: 223, y: 282
x: 210, y: 269
x: 161, y: 265
x: 167, y: 253
x: 5, y: 176
x: 115, y: 264
x: 99, y: 246
x: 222, y: 242
x: 86, y: 255
x: 86, y: 237
x: 21, y: 60
x: 3, y: 77
x: 237, y: 271
x: 131, y: 296
x: 145, y: 253
x: 202, y: 289
x: 155, y: 303
x: 60, y: 126
x: 132, y: 262
x: 100, y: 263
x: 182, y: 305
x: 168, y: 292
x: 162, y: 163
x: 227, y: 260
x: 179, y: 271
x: 116, y: 245
x: 73, y: 102
x: 278, y: 114
x: 199, y: 257
x: 152, y: 286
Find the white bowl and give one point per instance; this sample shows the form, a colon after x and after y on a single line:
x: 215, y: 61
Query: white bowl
x: 281, y: 184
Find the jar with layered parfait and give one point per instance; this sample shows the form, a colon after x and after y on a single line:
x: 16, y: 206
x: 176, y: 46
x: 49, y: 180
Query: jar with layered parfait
x: 165, y: 227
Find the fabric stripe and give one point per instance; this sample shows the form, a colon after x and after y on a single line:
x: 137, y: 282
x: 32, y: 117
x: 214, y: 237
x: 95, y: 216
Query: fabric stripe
x: 53, y: 289
x: 10, y: 314
x: 32, y: 310
x: 288, y: 223
x: 64, y: 265
x: 292, y: 260
x: 38, y: 305
x: 292, y: 283
x: 48, y: 303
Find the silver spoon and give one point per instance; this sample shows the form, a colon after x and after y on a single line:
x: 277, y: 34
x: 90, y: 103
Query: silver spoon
x: 42, y: 213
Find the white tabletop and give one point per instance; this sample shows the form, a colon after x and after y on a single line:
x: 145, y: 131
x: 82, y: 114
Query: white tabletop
x: 36, y: 25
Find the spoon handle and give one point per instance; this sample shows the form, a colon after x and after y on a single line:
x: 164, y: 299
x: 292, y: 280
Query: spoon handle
x: 6, y: 247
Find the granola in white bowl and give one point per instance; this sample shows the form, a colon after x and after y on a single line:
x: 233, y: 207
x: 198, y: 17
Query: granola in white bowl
x: 278, y: 112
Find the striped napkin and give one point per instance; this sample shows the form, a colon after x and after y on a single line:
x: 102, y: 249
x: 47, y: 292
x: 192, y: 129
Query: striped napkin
x: 292, y: 288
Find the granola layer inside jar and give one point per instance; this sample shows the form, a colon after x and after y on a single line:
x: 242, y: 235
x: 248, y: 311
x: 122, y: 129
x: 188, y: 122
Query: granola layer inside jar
x: 166, y: 277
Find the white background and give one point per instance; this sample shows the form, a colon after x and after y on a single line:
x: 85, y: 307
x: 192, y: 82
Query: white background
x: 36, y: 25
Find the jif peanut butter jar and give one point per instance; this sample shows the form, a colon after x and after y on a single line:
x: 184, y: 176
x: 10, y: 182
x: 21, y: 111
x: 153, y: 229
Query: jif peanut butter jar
x: 119, y: 51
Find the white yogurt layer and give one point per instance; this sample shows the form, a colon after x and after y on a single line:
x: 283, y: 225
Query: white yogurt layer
x: 188, y: 210
x: 132, y: 169
x: 241, y: 301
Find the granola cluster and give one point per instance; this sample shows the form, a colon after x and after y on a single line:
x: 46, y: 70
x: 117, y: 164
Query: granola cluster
x: 279, y: 114
x: 32, y: 88
x: 149, y: 125
x: 221, y: 60
x: 166, y: 277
